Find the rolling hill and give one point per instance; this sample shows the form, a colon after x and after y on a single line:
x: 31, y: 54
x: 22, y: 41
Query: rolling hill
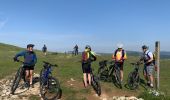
x: 70, y: 74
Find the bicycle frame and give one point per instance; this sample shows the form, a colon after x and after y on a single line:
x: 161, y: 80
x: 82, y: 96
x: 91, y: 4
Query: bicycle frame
x: 134, y: 76
x: 46, y: 74
x: 47, y: 71
x: 23, y: 70
x: 136, y: 67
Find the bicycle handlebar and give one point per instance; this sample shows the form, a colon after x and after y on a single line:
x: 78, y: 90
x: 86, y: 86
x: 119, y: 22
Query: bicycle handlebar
x: 19, y: 61
x: 53, y: 65
x: 112, y: 62
x: 137, y: 63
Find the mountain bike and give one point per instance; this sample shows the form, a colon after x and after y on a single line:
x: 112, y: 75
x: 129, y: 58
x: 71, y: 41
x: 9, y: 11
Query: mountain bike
x: 134, y: 77
x: 49, y: 86
x: 112, y: 72
x: 18, y: 76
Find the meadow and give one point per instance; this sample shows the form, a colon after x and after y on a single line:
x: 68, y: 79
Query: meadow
x: 70, y: 69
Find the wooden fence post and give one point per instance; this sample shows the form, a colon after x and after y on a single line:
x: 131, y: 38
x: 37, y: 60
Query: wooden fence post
x: 157, y: 59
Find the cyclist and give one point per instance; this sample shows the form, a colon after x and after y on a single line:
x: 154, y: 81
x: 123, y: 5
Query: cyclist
x: 44, y: 49
x: 148, y: 59
x: 87, y: 57
x: 76, y: 50
x: 30, y: 60
x: 119, y: 57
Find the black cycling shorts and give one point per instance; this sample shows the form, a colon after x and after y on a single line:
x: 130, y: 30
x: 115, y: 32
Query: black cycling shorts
x: 86, y: 67
x: 29, y: 67
x: 120, y: 65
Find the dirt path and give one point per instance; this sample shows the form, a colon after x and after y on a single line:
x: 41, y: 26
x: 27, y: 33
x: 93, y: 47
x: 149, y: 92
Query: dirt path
x: 24, y: 94
x: 111, y: 95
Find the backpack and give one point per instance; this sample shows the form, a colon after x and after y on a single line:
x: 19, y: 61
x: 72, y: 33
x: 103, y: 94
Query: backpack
x: 150, y: 57
x: 123, y: 53
x: 84, y: 56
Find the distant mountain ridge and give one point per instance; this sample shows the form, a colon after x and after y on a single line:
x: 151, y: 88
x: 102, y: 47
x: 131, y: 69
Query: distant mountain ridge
x: 163, y: 54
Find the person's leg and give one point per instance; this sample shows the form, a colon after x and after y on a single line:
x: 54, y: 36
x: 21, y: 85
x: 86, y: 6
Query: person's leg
x: 85, y: 79
x: 89, y: 78
x: 121, y: 72
x: 151, y: 80
x: 84, y: 74
x: 26, y: 75
x: 150, y: 75
x: 146, y: 75
x: 31, y: 76
x: 77, y: 52
x: 121, y: 75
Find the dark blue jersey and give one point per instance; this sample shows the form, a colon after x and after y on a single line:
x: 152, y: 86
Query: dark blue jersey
x: 30, y: 58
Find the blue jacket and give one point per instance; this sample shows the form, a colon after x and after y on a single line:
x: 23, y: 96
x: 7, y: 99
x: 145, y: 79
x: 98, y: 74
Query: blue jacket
x: 30, y: 58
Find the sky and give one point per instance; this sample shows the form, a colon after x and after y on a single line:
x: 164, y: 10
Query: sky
x: 102, y: 24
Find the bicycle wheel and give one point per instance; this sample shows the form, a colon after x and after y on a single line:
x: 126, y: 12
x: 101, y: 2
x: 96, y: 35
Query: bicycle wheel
x: 41, y: 76
x: 96, y: 85
x: 52, y: 90
x: 116, y: 78
x: 102, y: 74
x: 133, y: 80
x: 16, y: 80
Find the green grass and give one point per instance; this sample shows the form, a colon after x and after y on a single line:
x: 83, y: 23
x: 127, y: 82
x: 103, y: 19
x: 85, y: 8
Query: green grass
x: 70, y: 67
x: 147, y: 96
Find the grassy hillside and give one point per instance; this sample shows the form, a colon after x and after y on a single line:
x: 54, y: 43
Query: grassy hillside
x: 70, y: 67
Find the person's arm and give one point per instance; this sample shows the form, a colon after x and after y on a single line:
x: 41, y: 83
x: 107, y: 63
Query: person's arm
x: 113, y: 57
x: 93, y: 55
x: 35, y: 58
x: 125, y: 56
x: 22, y: 53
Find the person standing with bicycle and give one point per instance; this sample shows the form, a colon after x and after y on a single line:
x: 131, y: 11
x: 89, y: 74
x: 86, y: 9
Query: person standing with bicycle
x: 76, y: 50
x: 30, y: 60
x: 87, y: 57
x: 148, y: 59
x: 119, y: 57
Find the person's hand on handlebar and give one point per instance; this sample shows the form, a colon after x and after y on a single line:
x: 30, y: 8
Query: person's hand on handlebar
x: 114, y: 60
x: 15, y: 59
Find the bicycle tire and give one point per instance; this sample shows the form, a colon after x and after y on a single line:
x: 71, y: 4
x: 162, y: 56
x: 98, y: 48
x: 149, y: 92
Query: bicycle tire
x: 116, y: 78
x: 41, y: 76
x: 96, y: 86
x: 133, y: 80
x: 48, y: 87
x: 16, y: 80
x: 103, y: 74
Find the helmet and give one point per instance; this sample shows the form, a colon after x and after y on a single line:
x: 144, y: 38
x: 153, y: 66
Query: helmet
x: 88, y: 47
x: 144, y: 47
x: 30, y: 45
x: 120, y: 45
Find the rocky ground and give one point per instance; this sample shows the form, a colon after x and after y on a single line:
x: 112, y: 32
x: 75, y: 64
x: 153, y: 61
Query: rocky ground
x: 20, y: 94
x: 24, y: 94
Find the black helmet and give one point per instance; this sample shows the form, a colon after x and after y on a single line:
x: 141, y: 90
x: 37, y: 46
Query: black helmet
x: 30, y: 45
x: 88, y: 47
x: 144, y: 47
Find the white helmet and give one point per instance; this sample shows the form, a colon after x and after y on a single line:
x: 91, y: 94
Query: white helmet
x: 120, y: 45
